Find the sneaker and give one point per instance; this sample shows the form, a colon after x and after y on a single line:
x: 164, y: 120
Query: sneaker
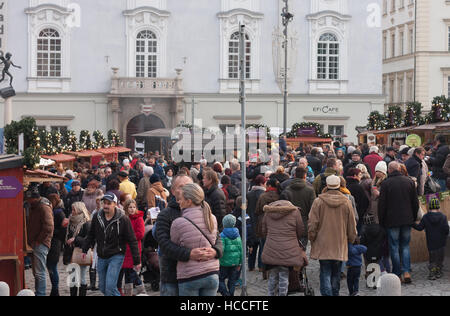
x: 407, y: 278
x: 438, y: 273
x: 432, y: 276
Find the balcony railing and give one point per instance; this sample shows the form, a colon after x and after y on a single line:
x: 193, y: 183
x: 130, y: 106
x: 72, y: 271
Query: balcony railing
x: 147, y: 86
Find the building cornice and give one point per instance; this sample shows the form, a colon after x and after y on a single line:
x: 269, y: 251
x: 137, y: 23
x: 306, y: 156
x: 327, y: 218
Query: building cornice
x: 59, y: 9
x: 251, y: 14
x: 161, y: 13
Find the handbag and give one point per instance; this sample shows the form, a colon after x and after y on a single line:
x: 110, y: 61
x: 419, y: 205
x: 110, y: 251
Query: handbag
x: 77, y: 257
x: 432, y: 186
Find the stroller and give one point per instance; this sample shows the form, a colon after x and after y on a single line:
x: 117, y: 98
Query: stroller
x: 150, y: 263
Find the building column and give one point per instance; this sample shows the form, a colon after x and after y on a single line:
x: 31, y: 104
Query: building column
x: 8, y: 111
x: 115, y: 107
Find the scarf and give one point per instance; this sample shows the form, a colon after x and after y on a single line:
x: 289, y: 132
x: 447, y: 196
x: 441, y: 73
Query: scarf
x: 270, y: 189
x: 75, y: 224
x: 344, y: 190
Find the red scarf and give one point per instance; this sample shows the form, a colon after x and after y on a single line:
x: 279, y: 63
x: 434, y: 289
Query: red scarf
x: 270, y: 189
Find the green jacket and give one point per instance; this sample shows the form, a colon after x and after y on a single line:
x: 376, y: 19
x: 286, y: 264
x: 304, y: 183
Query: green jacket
x: 318, y: 182
x: 232, y: 248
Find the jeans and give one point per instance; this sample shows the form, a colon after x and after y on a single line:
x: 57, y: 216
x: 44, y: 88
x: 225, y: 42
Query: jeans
x: 353, y: 276
x: 252, y: 257
x: 206, y: 286
x: 53, y: 274
x: 40, y: 253
x: 108, y: 273
x: 168, y: 289
x: 279, y: 279
x: 399, y: 239
x: 232, y: 274
x: 442, y: 183
x: 330, y: 277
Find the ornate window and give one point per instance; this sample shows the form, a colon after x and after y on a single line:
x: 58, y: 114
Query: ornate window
x: 49, y: 53
x: 146, y: 54
x: 233, y: 57
x: 328, y: 57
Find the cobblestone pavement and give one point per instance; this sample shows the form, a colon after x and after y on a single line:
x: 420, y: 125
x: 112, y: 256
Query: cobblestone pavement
x: 256, y: 286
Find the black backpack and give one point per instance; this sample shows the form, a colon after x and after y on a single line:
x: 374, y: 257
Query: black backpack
x: 323, y: 182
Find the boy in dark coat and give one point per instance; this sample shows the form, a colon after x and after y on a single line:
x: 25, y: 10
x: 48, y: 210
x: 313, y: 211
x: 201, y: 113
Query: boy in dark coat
x: 436, y: 227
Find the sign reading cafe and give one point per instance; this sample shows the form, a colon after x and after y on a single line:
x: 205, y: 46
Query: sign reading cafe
x: 326, y: 109
x: 3, y: 24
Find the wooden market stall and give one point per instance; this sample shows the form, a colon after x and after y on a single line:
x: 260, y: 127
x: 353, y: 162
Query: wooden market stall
x: 65, y: 160
x: 12, y: 245
x: 315, y: 141
x: 91, y: 156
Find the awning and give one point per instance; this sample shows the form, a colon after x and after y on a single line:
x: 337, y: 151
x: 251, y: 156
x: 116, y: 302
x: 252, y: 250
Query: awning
x: 310, y: 140
x: 431, y: 127
x: 162, y: 132
x: 60, y: 158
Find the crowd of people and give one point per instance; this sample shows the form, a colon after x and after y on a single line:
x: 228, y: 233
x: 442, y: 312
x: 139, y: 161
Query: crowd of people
x: 352, y: 205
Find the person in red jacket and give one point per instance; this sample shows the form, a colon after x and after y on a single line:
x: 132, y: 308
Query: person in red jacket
x: 131, y: 276
x: 372, y: 159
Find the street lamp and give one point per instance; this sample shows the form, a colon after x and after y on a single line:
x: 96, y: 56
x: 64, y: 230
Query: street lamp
x: 287, y: 18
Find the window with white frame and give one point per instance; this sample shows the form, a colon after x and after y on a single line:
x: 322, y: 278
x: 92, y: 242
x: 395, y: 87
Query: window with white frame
x: 328, y: 57
x: 146, y: 54
x: 337, y: 132
x: 233, y: 57
x: 49, y: 53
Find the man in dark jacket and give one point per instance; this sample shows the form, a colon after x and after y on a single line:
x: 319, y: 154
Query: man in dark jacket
x: 390, y: 155
x: 414, y: 165
x: 214, y: 196
x: 76, y: 195
x: 437, y: 161
x: 398, y: 206
x: 302, y: 195
x: 357, y: 191
x: 356, y: 160
x: 314, y: 161
x: 40, y: 232
x: 111, y: 230
x: 171, y: 253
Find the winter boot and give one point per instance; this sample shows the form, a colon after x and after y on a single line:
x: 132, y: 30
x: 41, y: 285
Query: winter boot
x: 83, y: 290
x: 438, y: 273
x: 140, y: 289
x: 74, y: 291
x: 54, y: 292
x: 128, y: 289
x: 93, y: 279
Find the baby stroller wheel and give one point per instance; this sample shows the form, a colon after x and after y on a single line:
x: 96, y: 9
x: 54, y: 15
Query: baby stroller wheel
x: 155, y: 286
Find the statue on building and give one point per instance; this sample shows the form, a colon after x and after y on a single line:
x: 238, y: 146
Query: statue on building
x: 6, y: 60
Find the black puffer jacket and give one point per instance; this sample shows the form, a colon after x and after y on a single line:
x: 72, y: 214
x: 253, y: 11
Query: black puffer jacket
x: 361, y: 199
x: 59, y: 234
x: 373, y: 236
x: 112, y: 239
x: 71, y: 198
x: 398, y: 204
x: 437, y: 161
x: 217, y: 201
x: 171, y: 253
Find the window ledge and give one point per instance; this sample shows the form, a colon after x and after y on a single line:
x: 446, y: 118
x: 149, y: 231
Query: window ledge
x: 321, y: 86
x: 232, y: 85
x: 49, y: 84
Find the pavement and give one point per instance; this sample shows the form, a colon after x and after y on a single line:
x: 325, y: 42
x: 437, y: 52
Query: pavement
x: 256, y: 286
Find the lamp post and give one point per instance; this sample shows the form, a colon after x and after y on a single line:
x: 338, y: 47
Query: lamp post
x: 287, y: 17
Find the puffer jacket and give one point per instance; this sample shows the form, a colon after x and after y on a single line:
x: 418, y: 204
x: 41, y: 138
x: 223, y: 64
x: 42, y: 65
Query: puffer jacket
x: 232, y: 248
x: 184, y: 234
x: 137, y: 222
x: 217, y: 201
x: 331, y: 226
x: 265, y: 199
x: 437, y: 161
x: 283, y: 227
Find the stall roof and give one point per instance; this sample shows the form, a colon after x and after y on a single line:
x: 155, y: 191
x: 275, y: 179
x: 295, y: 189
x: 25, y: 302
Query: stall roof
x: 60, y: 158
x: 310, y: 140
x: 431, y: 127
x: 40, y: 176
x: 162, y: 132
x: 10, y: 161
x: 84, y: 153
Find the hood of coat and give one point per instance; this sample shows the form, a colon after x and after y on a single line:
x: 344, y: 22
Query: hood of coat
x: 298, y: 184
x: 279, y: 209
x: 258, y: 188
x: 158, y: 187
x: 230, y: 233
x: 434, y: 217
x: 333, y: 199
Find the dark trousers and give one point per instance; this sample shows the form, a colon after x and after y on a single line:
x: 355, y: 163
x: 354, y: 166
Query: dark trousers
x: 53, y: 274
x: 437, y: 258
x: 330, y: 277
x: 252, y: 257
x: 131, y: 276
x: 232, y: 274
x: 353, y: 276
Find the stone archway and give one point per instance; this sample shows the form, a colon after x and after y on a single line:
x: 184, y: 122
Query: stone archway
x: 143, y: 123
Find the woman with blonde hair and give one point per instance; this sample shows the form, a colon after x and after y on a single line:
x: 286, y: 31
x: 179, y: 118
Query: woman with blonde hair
x: 197, y: 228
x: 77, y: 231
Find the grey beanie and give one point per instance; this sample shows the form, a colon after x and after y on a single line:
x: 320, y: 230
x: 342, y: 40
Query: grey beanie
x: 229, y: 221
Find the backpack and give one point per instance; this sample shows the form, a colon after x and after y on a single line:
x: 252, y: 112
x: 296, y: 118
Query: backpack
x: 323, y: 182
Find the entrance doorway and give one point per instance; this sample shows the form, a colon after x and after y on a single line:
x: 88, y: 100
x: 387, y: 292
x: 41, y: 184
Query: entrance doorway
x: 141, y: 124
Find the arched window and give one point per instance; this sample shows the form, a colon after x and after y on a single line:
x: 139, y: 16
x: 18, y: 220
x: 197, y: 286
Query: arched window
x: 328, y: 57
x: 49, y: 53
x: 233, y: 56
x: 146, y: 54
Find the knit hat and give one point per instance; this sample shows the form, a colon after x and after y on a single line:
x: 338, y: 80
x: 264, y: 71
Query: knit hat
x: 403, y: 147
x: 351, y: 149
x: 373, y: 149
x: 155, y: 178
x: 4, y: 289
x: 229, y: 221
x: 435, y: 204
x: 333, y: 182
x: 357, y: 152
x: 381, y: 167
x: 123, y: 174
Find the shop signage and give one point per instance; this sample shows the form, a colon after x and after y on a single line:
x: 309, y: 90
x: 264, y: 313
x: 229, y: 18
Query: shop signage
x: 326, y: 109
x: 307, y: 131
x: 413, y: 140
x: 9, y: 187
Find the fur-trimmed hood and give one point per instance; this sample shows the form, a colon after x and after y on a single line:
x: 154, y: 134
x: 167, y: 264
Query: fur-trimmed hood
x: 279, y: 209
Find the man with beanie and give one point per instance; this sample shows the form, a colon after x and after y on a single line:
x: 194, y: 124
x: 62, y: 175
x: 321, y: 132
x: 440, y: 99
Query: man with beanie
x: 355, y: 161
x: 331, y: 227
x: 126, y: 186
x: 436, y: 227
x: 230, y: 263
x: 155, y: 192
x: 390, y: 155
x: 372, y: 159
x: 40, y: 233
x: 398, y: 206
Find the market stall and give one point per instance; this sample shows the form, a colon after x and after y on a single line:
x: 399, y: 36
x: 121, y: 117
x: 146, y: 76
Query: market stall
x: 91, y: 156
x: 65, y: 160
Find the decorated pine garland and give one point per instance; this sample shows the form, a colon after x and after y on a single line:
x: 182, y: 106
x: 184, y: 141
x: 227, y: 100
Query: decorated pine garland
x: 394, y: 117
x: 57, y: 142
x: 114, y: 139
x: 46, y: 142
x: 100, y: 141
x: 70, y: 142
x: 85, y: 140
x: 318, y: 128
x: 413, y: 114
x: 377, y: 121
x: 440, y: 110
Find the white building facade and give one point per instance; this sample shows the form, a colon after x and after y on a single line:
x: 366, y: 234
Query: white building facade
x: 416, y: 51
x: 138, y: 65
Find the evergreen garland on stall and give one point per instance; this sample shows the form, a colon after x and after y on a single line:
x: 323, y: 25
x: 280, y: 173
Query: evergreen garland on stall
x: 45, y: 139
x: 439, y: 111
x: 114, y: 139
x: 85, y: 140
x: 394, y: 117
x: 100, y: 141
x: 70, y: 141
x: 413, y: 114
x: 377, y: 121
x: 56, y: 141
x: 297, y: 126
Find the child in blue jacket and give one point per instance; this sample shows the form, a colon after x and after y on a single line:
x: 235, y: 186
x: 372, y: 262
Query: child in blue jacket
x: 354, y: 264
